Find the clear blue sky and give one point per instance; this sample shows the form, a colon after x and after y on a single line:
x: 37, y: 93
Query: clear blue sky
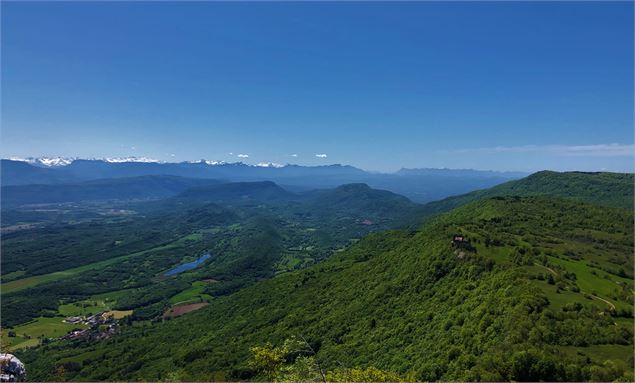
x: 492, y: 85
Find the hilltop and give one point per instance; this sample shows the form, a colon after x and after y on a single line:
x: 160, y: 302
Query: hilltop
x: 609, y: 189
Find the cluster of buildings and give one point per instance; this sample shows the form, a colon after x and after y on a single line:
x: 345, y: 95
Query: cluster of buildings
x: 101, y: 325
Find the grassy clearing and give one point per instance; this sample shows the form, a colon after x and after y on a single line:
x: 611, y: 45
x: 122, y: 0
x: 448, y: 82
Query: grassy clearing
x: 84, y: 308
x: 27, y: 334
x: 498, y: 254
x: 118, y: 314
x: 601, y: 283
x: 192, y: 237
x: 290, y: 261
x: 602, y: 352
x: 26, y: 283
x: 559, y: 300
x: 111, y: 297
x: 194, y: 293
x: 13, y: 275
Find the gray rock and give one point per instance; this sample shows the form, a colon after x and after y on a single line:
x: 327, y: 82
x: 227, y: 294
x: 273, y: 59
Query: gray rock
x: 11, y: 369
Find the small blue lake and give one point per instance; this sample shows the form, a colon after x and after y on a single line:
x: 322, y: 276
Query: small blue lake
x: 187, y: 266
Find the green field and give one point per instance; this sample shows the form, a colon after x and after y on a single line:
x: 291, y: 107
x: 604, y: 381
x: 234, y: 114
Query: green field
x: 194, y: 293
x: 601, y: 283
x: 27, y: 334
x: 600, y: 352
x: 112, y: 296
x: 84, y: 308
x: 192, y: 237
x: 13, y: 275
x: 118, y: 314
x: 558, y: 300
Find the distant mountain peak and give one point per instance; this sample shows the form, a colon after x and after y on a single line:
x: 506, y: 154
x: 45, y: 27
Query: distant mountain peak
x: 129, y: 159
x: 459, y: 172
x: 45, y: 161
x: 269, y: 165
x: 203, y: 161
x: 64, y: 161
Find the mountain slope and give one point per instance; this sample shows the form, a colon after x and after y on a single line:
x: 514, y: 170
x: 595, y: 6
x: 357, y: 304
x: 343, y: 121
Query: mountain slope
x: 22, y: 173
x: 237, y: 192
x: 142, y: 187
x: 363, y: 203
x: 541, y: 290
x: 610, y: 189
x: 358, y: 196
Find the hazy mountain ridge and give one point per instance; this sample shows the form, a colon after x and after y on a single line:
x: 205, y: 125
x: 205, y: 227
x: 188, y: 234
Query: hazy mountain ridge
x: 421, y: 186
x: 128, y: 188
x: 237, y: 192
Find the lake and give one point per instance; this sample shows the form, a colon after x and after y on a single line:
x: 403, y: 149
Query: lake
x: 187, y: 266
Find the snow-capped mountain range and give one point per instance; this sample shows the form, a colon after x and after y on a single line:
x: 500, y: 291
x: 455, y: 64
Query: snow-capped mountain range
x: 45, y: 161
x: 64, y: 161
x: 421, y: 185
x: 270, y: 165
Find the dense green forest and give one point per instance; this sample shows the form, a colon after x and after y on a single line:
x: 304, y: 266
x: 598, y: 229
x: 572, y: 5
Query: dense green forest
x: 530, y: 280
x: 540, y: 289
x: 610, y: 189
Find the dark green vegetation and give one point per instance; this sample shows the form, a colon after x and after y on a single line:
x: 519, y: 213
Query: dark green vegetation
x: 261, y: 230
x: 610, y: 189
x: 142, y: 187
x: 60, y: 247
x: 541, y: 288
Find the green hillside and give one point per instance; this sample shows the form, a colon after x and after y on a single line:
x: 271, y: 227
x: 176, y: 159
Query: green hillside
x: 610, y: 189
x: 541, y: 289
x: 237, y: 192
x: 359, y: 196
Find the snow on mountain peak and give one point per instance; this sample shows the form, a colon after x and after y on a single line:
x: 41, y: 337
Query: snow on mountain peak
x: 64, y: 161
x: 269, y: 165
x: 130, y: 159
x: 45, y: 161
x: 207, y: 162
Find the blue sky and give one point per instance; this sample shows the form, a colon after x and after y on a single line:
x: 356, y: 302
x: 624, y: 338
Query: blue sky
x: 491, y: 85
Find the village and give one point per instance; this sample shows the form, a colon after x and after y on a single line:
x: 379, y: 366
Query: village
x: 98, y: 326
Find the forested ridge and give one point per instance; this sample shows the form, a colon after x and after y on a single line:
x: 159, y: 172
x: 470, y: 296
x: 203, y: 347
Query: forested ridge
x: 540, y: 289
x: 604, y: 188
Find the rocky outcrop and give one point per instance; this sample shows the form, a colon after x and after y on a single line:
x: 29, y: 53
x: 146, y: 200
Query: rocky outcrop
x: 11, y: 369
